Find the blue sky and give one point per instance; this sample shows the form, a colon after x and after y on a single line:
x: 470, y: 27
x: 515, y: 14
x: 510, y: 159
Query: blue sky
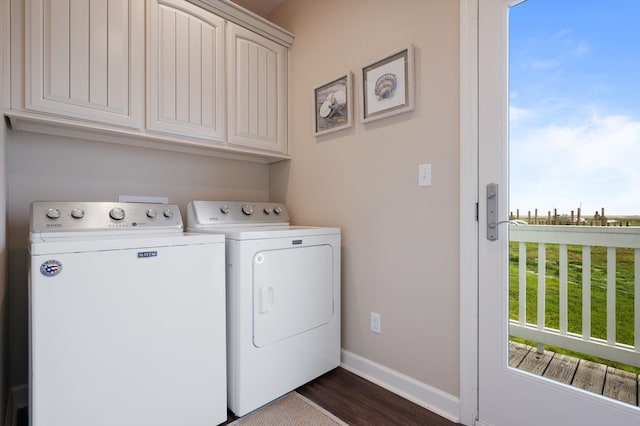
x: 575, y: 106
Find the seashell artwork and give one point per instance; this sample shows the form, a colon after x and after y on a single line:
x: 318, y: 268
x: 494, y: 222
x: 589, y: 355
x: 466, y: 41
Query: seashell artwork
x: 386, y: 86
x: 334, y: 104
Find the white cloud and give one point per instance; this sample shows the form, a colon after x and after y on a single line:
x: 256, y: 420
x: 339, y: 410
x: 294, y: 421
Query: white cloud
x: 589, y: 162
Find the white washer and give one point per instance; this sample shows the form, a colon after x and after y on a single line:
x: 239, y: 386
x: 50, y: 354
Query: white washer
x: 126, y: 317
x: 283, y: 298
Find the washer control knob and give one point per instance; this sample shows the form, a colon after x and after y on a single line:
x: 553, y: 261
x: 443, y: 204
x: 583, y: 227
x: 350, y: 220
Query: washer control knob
x: 53, y: 213
x: 247, y: 209
x: 267, y: 210
x: 116, y: 213
x: 168, y: 213
x: 151, y: 213
x: 277, y: 210
x: 77, y: 213
x: 224, y: 209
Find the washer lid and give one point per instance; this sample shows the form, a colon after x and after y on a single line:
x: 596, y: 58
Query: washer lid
x: 268, y: 232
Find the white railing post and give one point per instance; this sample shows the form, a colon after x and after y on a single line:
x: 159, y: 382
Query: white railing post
x: 564, y: 298
x: 611, y: 295
x: 542, y: 283
x: 586, y: 292
x: 522, y: 283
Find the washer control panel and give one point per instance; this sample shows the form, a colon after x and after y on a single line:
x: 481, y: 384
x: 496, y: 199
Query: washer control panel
x: 65, y: 216
x: 215, y: 213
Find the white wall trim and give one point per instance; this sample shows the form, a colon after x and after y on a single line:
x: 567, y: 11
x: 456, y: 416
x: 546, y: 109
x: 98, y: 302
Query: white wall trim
x: 431, y: 398
x: 468, y: 221
x: 18, y: 398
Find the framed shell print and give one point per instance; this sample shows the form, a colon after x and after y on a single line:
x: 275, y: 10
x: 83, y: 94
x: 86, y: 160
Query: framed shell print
x: 388, y: 85
x: 333, y: 105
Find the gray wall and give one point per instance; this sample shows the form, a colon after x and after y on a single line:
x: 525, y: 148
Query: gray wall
x: 400, y: 241
x: 42, y: 167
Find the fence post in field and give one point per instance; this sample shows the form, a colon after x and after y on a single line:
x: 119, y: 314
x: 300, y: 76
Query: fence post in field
x: 555, y: 216
x: 578, y: 221
x: 529, y: 217
x: 549, y: 217
x: 604, y: 219
x: 536, y: 216
x: 571, y: 223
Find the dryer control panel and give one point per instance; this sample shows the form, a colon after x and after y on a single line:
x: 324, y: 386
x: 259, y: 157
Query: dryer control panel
x: 222, y: 213
x: 73, y: 216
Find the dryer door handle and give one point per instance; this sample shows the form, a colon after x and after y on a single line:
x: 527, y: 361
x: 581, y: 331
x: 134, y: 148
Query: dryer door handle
x: 266, y: 299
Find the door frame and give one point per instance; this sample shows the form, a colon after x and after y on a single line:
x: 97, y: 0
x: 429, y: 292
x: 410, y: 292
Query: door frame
x: 468, y: 212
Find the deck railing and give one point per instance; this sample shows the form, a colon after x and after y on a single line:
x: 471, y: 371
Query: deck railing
x: 574, y: 237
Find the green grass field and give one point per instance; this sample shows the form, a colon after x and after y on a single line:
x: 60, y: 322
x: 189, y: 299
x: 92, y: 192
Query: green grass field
x: 624, y: 292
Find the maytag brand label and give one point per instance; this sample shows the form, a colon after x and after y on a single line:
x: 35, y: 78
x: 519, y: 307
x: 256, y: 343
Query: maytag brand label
x: 296, y: 242
x: 51, y: 268
x: 143, y: 254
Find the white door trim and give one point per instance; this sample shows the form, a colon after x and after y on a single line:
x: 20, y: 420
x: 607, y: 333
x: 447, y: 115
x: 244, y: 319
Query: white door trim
x: 468, y: 220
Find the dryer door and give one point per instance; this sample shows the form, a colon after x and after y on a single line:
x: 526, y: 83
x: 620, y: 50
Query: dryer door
x: 292, y: 292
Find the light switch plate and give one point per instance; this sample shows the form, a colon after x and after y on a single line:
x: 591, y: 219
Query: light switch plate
x: 424, y: 174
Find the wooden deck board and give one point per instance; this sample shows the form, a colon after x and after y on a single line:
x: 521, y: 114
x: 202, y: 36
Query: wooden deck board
x: 590, y: 376
x: 517, y: 352
x: 621, y: 385
x: 562, y: 368
x: 607, y: 381
x: 536, y: 363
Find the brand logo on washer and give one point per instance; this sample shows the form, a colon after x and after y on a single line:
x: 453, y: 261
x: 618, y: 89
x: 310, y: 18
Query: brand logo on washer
x: 51, y: 268
x: 143, y: 254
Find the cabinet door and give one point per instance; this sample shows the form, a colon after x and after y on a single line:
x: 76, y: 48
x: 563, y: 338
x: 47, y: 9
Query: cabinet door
x: 185, y: 70
x: 257, y: 104
x: 84, y: 59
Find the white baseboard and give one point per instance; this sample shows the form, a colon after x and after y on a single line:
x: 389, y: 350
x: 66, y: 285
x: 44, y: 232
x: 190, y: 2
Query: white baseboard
x: 433, y: 399
x: 18, y: 398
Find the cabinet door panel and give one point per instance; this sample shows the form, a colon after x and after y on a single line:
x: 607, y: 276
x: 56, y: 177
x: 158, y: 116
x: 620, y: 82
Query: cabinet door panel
x: 257, y: 91
x: 185, y: 71
x: 83, y: 61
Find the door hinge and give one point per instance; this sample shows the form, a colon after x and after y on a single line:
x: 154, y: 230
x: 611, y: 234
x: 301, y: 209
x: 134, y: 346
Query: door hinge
x: 477, y: 210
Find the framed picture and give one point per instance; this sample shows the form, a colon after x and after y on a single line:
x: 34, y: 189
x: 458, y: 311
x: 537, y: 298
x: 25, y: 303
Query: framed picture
x: 332, y: 105
x: 388, y: 85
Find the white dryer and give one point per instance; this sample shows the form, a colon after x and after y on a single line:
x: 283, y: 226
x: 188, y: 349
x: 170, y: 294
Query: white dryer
x: 283, y: 298
x: 126, y: 317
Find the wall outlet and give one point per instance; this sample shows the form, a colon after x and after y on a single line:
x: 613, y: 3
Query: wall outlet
x: 376, y: 322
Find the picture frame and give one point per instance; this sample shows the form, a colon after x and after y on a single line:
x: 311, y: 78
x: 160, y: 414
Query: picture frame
x: 333, y: 105
x: 388, y: 85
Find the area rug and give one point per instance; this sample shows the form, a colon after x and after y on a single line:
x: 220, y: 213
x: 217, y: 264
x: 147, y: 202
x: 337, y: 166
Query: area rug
x: 292, y: 409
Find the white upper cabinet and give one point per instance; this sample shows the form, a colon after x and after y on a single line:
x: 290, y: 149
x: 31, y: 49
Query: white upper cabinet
x: 198, y: 76
x: 185, y: 71
x: 257, y: 101
x: 85, y: 59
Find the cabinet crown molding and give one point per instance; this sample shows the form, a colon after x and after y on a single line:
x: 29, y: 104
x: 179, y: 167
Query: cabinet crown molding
x: 247, y: 19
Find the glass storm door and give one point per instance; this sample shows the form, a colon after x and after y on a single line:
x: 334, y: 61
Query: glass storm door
x: 508, y: 396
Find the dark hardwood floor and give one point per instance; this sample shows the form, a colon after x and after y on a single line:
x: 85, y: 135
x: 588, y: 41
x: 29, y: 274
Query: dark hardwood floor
x: 359, y: 402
